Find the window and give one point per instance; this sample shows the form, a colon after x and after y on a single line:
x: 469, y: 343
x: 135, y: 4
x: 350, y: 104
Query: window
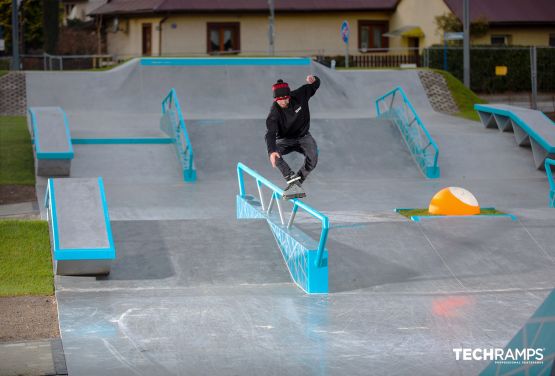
x: 551, y: 40
x: 500, y: 40
x: 370, y: 35
x: 223, y: 37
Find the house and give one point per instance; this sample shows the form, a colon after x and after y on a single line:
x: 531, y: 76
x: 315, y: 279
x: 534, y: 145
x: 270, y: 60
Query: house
x: 79, y: 9
x: 308, y: 27
x: 512, y: 22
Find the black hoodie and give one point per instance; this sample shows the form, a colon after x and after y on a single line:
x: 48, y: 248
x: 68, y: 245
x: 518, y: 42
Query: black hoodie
x: 292, y: 122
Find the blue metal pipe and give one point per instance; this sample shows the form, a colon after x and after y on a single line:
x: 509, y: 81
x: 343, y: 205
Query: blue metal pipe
x: 416, y: 117
x: 277, y: 192
x: 166, y: 104
x: 548, y: 164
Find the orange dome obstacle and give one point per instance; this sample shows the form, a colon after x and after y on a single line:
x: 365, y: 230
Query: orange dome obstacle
x: 454, y: 201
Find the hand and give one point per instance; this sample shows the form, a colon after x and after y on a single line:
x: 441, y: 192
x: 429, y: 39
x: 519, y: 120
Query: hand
x: 273, y: 157
x: 310, y: 79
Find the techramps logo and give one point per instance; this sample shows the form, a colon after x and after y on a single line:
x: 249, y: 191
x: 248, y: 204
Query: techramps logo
x: 502, y: 356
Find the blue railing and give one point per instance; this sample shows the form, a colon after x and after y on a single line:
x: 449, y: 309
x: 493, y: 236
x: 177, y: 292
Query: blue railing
x: 549, y: 163
x: 277, y: 193
x: 396, y: 107
x: 173, y: 123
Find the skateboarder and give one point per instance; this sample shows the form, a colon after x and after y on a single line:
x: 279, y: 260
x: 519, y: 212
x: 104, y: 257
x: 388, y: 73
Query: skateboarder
x: 288, y: 126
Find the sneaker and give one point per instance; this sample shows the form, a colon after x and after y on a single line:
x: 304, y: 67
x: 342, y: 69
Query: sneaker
x: 294, y: 188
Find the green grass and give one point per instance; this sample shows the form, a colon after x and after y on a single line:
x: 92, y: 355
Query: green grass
x: 16, y: 153
x: 3, y: 72
x: 463, y: 97
x: 424, y: 212
x: 25, y: 263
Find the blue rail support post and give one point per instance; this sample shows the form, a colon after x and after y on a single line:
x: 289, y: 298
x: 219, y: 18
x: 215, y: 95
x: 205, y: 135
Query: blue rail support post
x: 173, y: 124
x: 549, y: 164
x: 395, y: 106
x: 306, y: 259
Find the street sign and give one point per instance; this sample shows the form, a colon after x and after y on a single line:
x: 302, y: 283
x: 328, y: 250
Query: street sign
x: 453, y: 36
x: 345, y: 32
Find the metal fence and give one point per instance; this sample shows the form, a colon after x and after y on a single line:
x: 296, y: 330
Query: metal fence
x: 59, y: 62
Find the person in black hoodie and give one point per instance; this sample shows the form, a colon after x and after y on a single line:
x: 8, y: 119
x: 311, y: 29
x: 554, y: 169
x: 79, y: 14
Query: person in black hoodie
x: 288, y: 126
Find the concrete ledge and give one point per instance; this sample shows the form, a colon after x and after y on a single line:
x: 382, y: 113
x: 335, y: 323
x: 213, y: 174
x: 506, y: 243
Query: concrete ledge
x: 80, y: 230
x: 530, y: 127
x: 52, y: 141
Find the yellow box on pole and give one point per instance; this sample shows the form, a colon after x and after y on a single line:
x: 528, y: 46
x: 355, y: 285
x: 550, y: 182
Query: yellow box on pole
x: 501, y: 70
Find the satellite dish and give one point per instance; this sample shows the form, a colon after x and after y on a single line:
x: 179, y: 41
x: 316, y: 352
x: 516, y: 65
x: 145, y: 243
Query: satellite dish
x: 115, y: 25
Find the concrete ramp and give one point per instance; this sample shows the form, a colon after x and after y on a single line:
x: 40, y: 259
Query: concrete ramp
x: 209, y: 92
x: 354, y: 149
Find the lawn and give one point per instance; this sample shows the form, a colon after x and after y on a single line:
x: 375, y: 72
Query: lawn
x: 463, y: 97
x: 3, y: 72
x: 25, y: 262
x: 16, y: 153
x: 424, y: 212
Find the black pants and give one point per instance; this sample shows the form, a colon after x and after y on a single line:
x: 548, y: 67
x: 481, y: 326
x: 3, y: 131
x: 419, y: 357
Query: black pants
x: 305, y: 145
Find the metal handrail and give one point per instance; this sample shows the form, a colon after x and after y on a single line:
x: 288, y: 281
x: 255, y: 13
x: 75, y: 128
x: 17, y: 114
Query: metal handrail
x: 416, y: 118
x: 187, y: 155
x: 277, y: 193
x: 548, y: 164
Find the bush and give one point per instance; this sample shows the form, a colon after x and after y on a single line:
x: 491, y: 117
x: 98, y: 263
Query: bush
x: 77, y: 41
x: 483, y: 61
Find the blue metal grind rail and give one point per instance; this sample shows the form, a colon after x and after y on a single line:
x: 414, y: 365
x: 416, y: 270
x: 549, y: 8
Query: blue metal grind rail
x: 172, y: 122
x: 549, y: 164
x: 396, y: 107
x: 307, y: 263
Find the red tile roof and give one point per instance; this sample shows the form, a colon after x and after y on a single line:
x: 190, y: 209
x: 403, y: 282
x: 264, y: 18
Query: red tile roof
x: 224, y: 6
x: 507, y: 11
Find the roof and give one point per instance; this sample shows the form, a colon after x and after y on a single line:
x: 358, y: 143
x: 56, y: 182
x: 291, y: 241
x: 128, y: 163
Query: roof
x: 507, y: 11
x: 114, y: 7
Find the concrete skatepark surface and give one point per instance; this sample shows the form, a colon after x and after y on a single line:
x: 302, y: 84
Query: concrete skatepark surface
x: 195, y: 291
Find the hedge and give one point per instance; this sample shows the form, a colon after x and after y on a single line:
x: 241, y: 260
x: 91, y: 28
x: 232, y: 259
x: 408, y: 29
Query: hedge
x: 483, y: 61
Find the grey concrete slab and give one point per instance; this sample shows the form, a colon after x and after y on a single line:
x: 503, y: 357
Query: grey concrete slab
x: 137, y: 164
x: 440, y: 255
x: 186, y: 254
x: 23, y: 209
x: 80, y: 214
x: 277, y: 330
x: 194, y: 291
x: 362, y: 165
x: 113, y: 124
x: 38, y: 357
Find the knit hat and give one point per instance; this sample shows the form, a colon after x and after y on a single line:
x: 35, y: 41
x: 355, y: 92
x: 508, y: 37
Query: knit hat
x: 281, y: 89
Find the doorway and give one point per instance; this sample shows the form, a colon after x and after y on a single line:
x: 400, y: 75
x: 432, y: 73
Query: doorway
x: 147, y: 39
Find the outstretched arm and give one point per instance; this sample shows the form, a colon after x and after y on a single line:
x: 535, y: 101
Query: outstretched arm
x: 310, y: 88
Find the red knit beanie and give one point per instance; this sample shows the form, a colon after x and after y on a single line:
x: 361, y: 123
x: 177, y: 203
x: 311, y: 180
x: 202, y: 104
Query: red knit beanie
x: 281, y: 89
